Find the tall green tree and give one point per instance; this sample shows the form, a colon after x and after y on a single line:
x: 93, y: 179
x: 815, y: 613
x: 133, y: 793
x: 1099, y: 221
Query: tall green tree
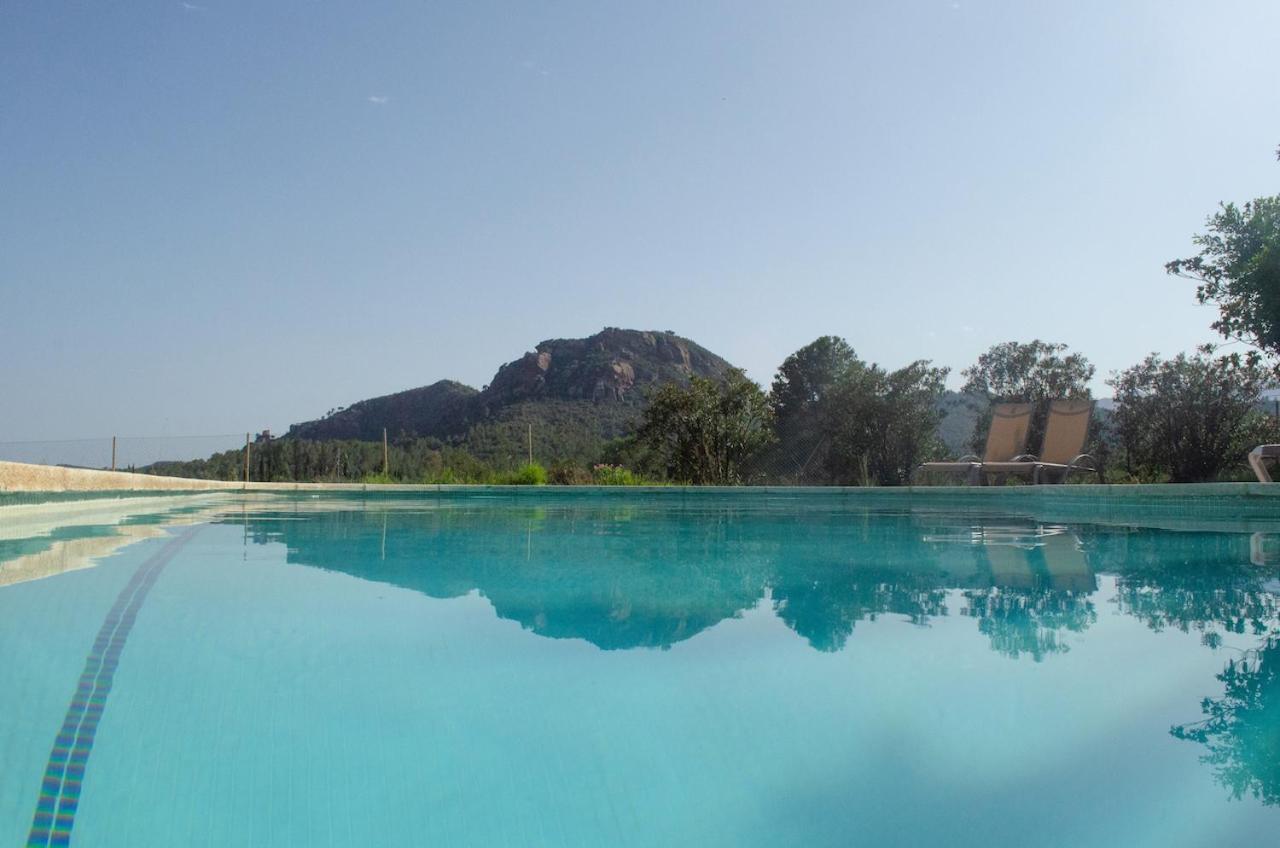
x: 1238, y: 270
x: 1190, y: 417
x: 882, y: 424
x: 1031, y: 372
x: 705, y: 432
x: 805, y: 379
x: 801, y: 390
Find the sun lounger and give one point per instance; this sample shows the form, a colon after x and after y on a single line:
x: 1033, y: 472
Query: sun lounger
x: 1258, y: 460
x: 1006, y: 440
x: 1062, y: 452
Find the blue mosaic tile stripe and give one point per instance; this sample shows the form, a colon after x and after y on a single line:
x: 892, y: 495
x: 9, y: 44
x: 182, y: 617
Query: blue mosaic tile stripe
x: 64, y: 774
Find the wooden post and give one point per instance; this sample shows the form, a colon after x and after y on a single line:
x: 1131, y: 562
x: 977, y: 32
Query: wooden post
x: 246, y: 459
x: 113, y: 453
x: 385, y: 466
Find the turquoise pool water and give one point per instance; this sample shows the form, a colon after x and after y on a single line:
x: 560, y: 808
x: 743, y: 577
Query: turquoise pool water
x: 642, y: 670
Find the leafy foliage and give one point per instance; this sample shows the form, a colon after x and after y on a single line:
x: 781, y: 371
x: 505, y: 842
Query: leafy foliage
x: 704, y: 433
x: 603, y: 474
x: 882, y: 424
x: 1238, y: 270
x: 844, y: 421
x: 563, y: 431
x: 805, y: 379
x: 1189, y: 417
x: 1014, y: 372
x: 529, y: 474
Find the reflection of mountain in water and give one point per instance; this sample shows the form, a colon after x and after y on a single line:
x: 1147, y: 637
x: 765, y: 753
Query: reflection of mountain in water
x: 626, y: 576
x: 614, y: 578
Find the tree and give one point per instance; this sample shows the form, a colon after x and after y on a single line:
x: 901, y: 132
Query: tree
x: 806, y: 377
x: 1035, y: 372
x: 1238, y: 270
x: 799, y: 395
x: 702, y: 434
x: 1189, y: 417
x: 852, y: 421
x: 882, y: 424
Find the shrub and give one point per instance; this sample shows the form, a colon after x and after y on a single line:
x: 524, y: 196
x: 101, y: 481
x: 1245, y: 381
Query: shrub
x: 1190, y: 417
x: 614, y: 475
x: 705, y: 432
x: 568, y: 474
x: 882, y: 424
x: 445, y: 476
x: 529, y: 474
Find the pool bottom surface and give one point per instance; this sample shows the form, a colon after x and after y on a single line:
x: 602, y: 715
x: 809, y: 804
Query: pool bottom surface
x: 404, y: 673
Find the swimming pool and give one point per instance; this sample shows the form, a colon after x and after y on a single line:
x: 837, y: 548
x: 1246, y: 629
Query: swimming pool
x: 639, y: 669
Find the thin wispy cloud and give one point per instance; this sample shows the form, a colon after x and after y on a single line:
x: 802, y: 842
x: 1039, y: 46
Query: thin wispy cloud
x: 379, y: 99
x: 534, y: 68
x: 192, y: 7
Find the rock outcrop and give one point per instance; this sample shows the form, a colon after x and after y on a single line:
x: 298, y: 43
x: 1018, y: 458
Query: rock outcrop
x: 614, y: 365
x: 596, y: 375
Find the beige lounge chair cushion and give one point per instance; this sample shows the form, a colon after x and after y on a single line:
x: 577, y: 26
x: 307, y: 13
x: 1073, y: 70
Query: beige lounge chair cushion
x: 1066, y: 431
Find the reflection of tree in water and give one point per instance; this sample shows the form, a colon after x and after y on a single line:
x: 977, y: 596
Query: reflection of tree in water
x: 1241, y: 729
x: 1205, y: 583
x: 841, y: 571
x: 1188, y: 581
x: 1032, y: 584
x: 825, y: 608
x: 1027, y: 621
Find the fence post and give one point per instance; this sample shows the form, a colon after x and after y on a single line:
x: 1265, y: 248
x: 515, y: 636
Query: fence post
x: 113, y: 453
x: 385, y: 472
x: 246, y: 459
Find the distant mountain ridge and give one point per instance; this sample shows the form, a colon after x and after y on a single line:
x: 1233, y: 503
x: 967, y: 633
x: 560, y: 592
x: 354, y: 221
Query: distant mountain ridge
x: 437, y: 409
x: 576, y: 393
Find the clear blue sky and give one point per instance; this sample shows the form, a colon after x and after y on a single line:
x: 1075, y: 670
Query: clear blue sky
x: 220, y: 216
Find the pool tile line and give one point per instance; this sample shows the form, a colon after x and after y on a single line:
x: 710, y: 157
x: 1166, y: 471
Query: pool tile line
x: 64, y: 774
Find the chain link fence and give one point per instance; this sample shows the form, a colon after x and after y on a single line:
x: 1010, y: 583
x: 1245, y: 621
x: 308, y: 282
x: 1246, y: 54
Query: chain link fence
x: 262, y: 458
x: 121, y: 453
